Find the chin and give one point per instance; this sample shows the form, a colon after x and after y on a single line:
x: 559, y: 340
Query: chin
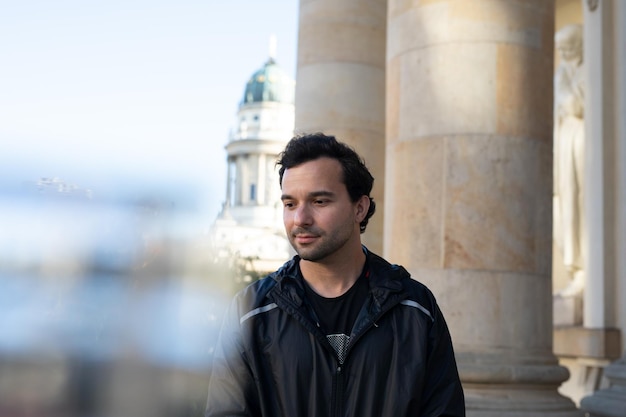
x: 309, y: 255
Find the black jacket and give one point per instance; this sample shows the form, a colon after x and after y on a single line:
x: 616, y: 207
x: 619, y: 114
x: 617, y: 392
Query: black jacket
x: 272, y: 360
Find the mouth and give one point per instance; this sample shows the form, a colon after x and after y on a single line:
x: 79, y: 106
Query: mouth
x: 304, y: 239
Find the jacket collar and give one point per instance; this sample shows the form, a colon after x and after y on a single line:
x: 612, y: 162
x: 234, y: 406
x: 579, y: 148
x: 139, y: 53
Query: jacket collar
x: 385, y: 280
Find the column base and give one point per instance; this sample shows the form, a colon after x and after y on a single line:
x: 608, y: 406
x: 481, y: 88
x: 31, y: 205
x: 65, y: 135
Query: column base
x: 610, y: 402
x: 509, y: 401
x: 512, y: 385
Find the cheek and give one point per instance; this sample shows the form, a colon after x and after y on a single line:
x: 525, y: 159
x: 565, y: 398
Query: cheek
x: 288, y: 217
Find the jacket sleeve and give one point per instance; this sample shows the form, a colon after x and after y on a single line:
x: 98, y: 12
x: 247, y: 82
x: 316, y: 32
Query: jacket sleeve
x: 443, y: 394
x: 232, y: 391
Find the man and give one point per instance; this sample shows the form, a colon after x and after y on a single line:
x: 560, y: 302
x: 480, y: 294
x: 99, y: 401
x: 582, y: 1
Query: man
x: 336, y: 331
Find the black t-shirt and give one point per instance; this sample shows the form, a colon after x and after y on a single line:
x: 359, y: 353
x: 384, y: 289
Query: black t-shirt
x: 337, y: 315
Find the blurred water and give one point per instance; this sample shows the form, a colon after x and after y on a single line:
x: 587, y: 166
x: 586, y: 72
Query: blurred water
x: 106, y: 308
x: 103, y: 319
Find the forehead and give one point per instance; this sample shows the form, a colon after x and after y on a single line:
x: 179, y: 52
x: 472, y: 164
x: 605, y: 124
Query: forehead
x: 568, y: 38
x: 566, y: 43
x: 319, y: 173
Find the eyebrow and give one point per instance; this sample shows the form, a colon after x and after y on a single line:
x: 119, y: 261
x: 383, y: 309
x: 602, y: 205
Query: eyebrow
x: 310, y: 195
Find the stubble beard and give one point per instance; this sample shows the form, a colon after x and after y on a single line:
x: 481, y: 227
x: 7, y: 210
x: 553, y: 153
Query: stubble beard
x: 325, y: 245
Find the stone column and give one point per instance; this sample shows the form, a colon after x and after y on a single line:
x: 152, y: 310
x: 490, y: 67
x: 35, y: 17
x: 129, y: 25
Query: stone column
x: 594, y: 301
x: 469, y: 188
x: 340, y: 87
x: 229, y: 178
x: 611, y: 401
x: 262, y: 180
x: 620, y: 152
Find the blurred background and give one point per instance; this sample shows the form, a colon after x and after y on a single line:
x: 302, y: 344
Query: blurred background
x: 114, y: 121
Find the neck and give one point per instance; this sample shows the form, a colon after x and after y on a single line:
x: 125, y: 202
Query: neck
x: 332, y: 278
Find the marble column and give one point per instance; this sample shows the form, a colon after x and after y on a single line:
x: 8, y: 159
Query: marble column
x: 469, y: 188
x: 340, y: 87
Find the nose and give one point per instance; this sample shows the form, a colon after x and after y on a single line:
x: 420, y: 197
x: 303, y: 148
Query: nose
x: 302, y: 215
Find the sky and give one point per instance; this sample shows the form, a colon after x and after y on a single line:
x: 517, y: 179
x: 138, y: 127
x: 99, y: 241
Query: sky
x: 133, y: 96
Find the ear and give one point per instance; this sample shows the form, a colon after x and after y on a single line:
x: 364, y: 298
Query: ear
x: 362, y: 206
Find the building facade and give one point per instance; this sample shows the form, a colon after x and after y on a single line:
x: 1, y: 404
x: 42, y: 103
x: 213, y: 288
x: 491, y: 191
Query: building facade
x: 249, y: 227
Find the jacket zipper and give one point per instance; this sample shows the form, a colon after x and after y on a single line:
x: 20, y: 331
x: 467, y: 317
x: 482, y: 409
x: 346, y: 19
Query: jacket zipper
x: 338, y: 391
x: 337, y: 398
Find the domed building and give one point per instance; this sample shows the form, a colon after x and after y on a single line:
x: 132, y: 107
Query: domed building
x: 269, y: 84
x: 249, y: 227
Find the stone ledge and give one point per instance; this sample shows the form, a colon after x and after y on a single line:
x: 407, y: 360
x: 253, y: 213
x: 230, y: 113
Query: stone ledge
x: 579, y: 342
x: 567, y: 311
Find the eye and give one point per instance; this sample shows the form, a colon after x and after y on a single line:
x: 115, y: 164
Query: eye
x: 288, y: 204
x: 321, y: 202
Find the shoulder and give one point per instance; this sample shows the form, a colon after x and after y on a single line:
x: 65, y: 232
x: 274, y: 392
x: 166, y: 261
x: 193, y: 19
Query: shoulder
x: 396, y: 277
x: 420, y: 297
x: 255, y: 294
x: 395, y: 274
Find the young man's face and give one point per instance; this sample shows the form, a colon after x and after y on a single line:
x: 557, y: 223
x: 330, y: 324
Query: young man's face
x: 320, y: 220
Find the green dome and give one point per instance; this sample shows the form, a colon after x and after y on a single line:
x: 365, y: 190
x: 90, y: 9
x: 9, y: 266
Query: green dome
x: 270, y: 83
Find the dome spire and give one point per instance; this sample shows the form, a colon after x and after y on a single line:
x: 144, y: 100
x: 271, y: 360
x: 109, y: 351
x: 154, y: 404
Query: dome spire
x: 272, y: 47
x: 270, y: 83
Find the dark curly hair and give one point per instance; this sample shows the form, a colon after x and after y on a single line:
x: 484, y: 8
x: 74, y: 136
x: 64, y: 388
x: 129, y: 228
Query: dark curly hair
x: 356, y: 177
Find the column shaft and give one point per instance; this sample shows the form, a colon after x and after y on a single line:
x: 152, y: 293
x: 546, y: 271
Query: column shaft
x: 594, y: 238
x: 262, y: 179
x: 341, y: 83
x: 611, y: 401
x: 469, y: 188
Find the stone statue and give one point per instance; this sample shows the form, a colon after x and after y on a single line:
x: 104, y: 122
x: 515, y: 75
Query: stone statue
x: 569, y: 136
